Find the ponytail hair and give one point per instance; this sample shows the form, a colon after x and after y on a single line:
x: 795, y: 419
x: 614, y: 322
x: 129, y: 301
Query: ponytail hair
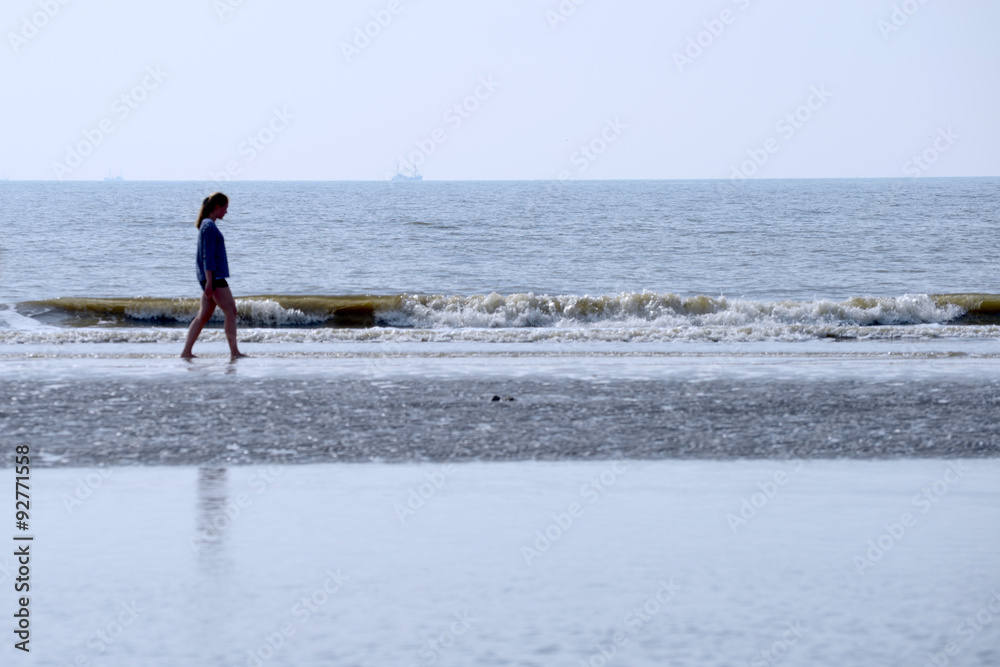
x: 211, y: 202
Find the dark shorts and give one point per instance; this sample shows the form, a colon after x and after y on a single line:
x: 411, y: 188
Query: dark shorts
x: 216, y: 283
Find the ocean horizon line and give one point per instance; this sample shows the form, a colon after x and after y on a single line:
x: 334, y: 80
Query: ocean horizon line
x: 521, y: 180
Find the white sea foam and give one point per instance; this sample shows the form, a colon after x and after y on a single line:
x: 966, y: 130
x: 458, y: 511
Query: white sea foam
x: 757, y: 332
x: 11, y: 319
x: 660, y: 311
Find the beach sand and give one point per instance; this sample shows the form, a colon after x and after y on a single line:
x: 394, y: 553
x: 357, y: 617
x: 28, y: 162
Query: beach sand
x: 430, y: 406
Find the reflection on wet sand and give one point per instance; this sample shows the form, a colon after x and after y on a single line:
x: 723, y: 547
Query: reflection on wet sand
x: 211, y: 521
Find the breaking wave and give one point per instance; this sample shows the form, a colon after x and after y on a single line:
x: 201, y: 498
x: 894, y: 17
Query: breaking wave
x: 672, y: 311
x: 645, y: 310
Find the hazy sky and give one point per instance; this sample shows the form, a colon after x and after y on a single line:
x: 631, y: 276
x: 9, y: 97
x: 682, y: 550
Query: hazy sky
x: 183, y: 86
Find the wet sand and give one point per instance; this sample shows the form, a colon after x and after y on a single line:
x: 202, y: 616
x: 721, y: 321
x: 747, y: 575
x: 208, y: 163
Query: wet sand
x: 236, y: 419
x: 316, y: 565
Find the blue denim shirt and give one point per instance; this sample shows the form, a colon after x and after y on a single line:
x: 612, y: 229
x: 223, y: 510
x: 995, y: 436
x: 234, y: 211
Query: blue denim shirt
x: 211, y: 251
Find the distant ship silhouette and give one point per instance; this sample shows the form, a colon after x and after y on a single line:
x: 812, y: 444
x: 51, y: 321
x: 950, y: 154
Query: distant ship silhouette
x: 412, y: 174
x: 113, y: 179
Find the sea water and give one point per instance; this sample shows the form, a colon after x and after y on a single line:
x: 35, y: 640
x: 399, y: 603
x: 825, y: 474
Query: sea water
x: 784, y: 259
x: 441, y: 371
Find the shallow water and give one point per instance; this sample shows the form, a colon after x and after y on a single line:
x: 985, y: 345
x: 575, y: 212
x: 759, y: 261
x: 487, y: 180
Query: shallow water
x: 215, y: 566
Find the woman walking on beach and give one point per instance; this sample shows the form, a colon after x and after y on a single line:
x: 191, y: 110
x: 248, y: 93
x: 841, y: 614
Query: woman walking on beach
x: 213, y: 269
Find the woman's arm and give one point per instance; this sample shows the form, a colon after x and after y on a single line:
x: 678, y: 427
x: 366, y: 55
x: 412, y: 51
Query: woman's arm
x: 211, y: 237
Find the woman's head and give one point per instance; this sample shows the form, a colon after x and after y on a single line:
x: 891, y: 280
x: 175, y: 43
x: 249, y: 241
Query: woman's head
x: 213, y: 207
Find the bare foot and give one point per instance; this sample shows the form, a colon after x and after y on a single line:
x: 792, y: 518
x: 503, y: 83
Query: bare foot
x: 188, y: 356
x: 239, y: 355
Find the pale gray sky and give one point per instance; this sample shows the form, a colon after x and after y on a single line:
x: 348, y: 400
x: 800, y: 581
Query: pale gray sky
x: 201, y: 76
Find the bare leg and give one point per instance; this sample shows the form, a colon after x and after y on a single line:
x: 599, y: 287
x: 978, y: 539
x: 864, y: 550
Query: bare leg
x: 197, y: 324
x: 224, y: 297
